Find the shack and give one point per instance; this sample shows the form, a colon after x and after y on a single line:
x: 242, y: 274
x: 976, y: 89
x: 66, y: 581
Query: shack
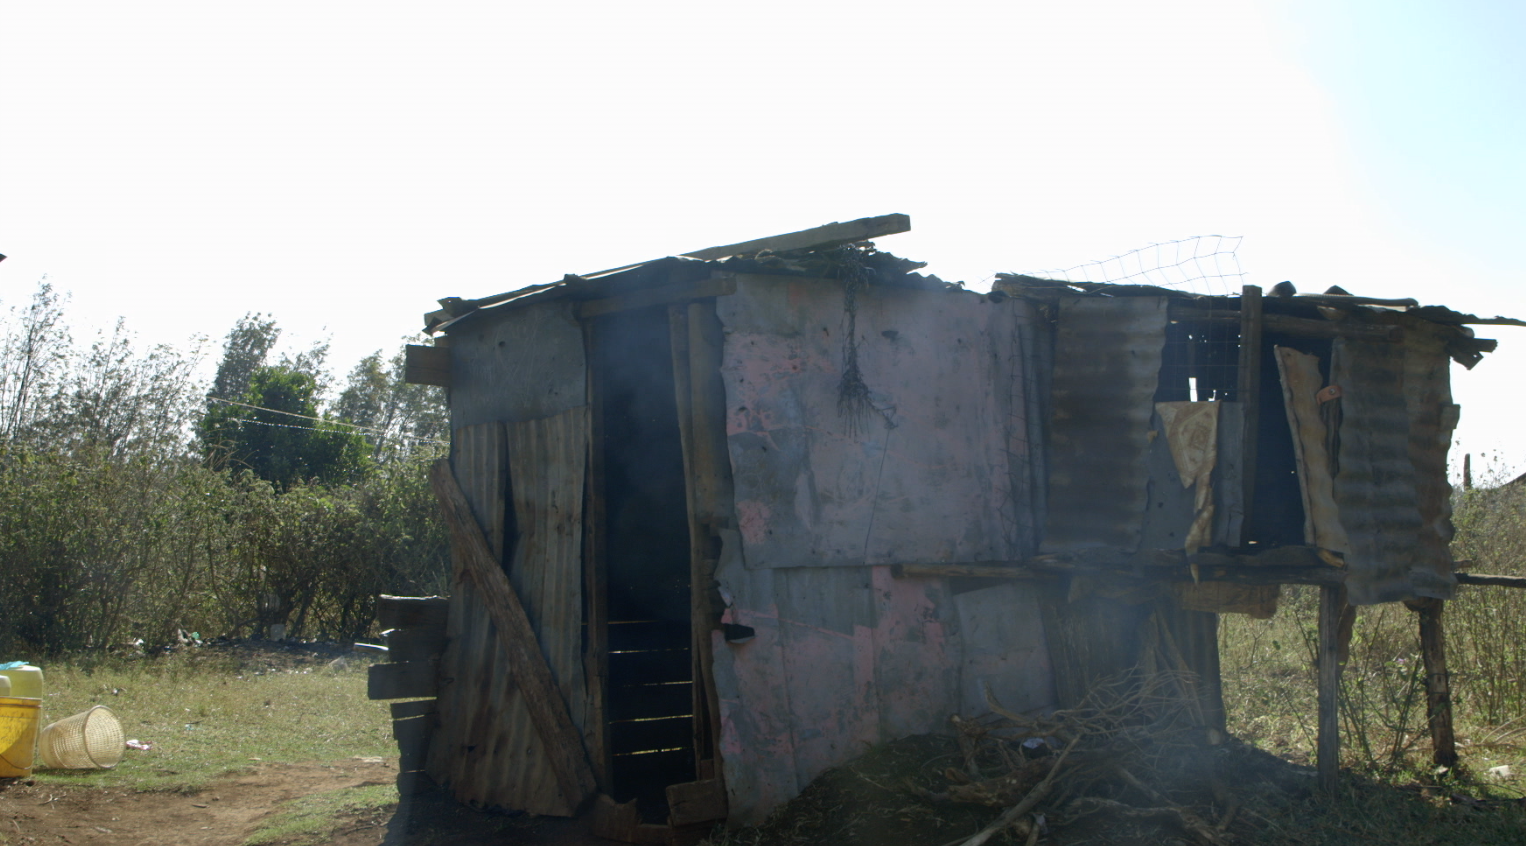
x: 726, y: 519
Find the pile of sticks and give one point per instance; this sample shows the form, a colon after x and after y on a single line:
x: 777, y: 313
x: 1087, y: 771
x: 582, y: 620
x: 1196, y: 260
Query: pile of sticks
x: 1132, y: 745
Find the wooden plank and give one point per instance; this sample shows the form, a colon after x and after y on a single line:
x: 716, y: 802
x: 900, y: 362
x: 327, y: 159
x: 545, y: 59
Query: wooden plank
x: 696, y: 802
x: 595, y: 576
x: 641, y: 702
x: 647, y: 634
x: 1284, y: 565
x: 821, y: 237
x: 1486, y: 579
x: 547, y: 466
x: 974, y: 571
x: 426, y: 365
x: 1302, y: 327
x: 422, y: 644
x: 651, y: 734
x: 714, y: 499
x: 396, y: 612
x: 413, y: 730
x: 695, y: 490
x: 412, y: 751
x: 654, y: 667
x: 622, y: 822
x: 716, y: 286
x: 1229, y: 512
x: 418, y: 708
x: 1250, y: 400
x: 1332, y: 601
x: 413, y: 783
x: 1438, y: 682
x: 401, y: 681
x: 563, y: 743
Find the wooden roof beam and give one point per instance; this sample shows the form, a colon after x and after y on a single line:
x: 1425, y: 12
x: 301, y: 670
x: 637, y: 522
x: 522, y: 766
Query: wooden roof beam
x: 831, y: 235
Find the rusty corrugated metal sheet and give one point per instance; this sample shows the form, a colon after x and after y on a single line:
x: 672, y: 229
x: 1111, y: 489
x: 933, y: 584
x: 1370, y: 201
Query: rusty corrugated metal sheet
x: 488, y: 750
x: 1029, y: 372
x: 1107, y: 365
x: 1376, y: 485
x: 1432, y: 417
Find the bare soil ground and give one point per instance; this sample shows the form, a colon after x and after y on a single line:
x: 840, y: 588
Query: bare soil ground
x: 870, y: 802
x: 233, y: 809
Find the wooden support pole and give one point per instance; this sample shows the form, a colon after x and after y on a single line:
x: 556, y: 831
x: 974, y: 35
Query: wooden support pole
x: 1486, y: 579
x: 1250, y: 400
x: 563, y: 744
x: 1332, y: 601
x: 595, y: 572
x: 709, y: 470
x: 1438, y: 683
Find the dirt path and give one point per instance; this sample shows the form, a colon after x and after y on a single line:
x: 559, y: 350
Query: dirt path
x: 233, y: 808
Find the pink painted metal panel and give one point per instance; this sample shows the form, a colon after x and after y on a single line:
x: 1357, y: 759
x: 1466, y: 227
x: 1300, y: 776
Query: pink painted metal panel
x: 916, y: 662
x: 925, y: 480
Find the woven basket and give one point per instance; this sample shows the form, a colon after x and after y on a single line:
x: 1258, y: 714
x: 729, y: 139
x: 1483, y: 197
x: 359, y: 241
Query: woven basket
x: 88, y: 740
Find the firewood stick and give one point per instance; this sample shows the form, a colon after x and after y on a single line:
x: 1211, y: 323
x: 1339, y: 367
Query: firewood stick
x: 1035, y: 796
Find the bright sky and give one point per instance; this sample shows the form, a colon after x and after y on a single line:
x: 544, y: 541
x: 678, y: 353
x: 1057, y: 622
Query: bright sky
x: 341, y: 165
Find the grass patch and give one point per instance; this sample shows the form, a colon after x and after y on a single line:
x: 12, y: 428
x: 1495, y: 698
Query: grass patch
x: 211, y: 711
x: 310, y: 819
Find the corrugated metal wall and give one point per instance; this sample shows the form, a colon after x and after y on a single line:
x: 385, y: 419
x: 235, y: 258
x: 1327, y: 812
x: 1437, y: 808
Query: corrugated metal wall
x: 1107, y: 366
x: 1375, y: 488
x: 1432, y: 416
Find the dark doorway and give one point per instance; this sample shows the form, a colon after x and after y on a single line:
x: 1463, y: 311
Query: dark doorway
x: 646, y: 541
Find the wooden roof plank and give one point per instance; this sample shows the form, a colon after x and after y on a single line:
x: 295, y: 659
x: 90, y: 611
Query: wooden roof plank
x: 820, y: 237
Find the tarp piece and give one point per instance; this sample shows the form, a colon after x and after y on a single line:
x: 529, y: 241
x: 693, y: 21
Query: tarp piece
x: 1375, y: 486
x: 1192, y: 432
x: 1106, y: 368
x: 927, y: 476
x: 1301, y: 384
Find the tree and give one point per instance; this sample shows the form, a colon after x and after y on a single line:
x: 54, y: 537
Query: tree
x: 124, y: 402
x: 401, y: 418
x: 275, y: 431
x: 34, y: 355
x: 247, y: 345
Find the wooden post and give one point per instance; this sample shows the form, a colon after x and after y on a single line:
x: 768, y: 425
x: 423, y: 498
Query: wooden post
x: 696, y: 344
x: 1332, y: 601
x: 1250, y: 399
x: 1438, y: 683
x: 595, y: 573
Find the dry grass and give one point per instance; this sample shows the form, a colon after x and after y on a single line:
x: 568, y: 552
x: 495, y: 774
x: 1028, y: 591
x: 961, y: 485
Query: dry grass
x: 209, y: 711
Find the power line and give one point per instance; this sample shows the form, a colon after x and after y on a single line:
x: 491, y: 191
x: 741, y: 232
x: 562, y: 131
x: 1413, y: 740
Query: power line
x: 315, y: 428
x: 330, y: 421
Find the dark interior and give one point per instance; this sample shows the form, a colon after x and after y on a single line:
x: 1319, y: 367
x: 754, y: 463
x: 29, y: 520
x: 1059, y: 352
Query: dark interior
x: 1200, y: 362
x: 650, y: 688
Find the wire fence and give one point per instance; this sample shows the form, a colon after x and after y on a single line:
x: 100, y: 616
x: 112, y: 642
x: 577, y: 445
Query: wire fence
x: 1202, y: 264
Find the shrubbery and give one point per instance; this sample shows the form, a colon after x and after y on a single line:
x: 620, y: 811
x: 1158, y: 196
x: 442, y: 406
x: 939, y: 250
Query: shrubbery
x: 120, y: 526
